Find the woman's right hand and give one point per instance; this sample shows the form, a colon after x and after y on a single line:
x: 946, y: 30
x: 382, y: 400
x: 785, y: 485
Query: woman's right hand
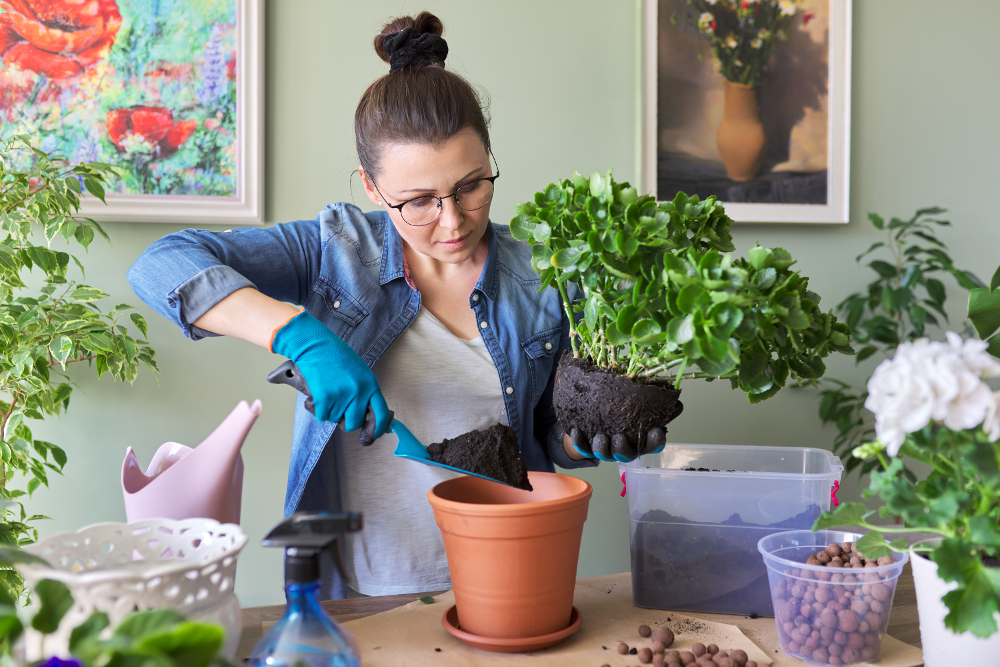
x: 341, y: 383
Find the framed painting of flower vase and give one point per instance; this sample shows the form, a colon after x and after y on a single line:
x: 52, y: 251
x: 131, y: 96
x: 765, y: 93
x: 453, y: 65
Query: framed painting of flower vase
x: 168, y: 92
x: 749, y: 101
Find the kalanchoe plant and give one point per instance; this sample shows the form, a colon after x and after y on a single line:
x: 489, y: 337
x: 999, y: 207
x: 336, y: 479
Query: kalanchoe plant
x: 48, y: 322
x: 905, y: 298
x: 655, y: 294
x: 932, y: 405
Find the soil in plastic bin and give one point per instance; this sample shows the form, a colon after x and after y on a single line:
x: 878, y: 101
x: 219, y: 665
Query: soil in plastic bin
x: 492, y: 453
x: 683, y: 565
x: 595, y: 401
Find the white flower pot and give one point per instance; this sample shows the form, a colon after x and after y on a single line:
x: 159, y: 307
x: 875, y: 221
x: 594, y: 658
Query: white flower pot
x: 942, y: 647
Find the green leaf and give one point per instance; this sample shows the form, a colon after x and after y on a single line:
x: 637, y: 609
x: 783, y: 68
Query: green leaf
x: 426, y: 599
x: 84, y: 235
x: 86, y: 294
x: 760, y: 258
x: 973, y: 604
x: 55, y: 600
x: 590, y: 309
x: 149, y: 622
x: 94, y: 187
x: 995, y: 280
x: 680, y: 329
x: 188, y: 644
x: 88, y: 630
x: 846, y: 514
x: 10, y: 557
x: 646, y: 331
x: 568, y: 257
x: 615, y: 336
x: 884, y: 269
x: 873, y: 545
x: 984, y: 311
x: 627, y: 317
x: 10, y: 624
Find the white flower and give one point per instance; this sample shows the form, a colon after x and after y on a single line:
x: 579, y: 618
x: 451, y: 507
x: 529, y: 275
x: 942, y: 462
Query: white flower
x: 706, y: 23
x: 756, y: 44
x: 992, y: 422
x: 933, y: 381
x: 787, y: 7
x: 711, y: 2
x: 731, y: 42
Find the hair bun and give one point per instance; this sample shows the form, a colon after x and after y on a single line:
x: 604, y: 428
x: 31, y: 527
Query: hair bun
x: 409, y: 49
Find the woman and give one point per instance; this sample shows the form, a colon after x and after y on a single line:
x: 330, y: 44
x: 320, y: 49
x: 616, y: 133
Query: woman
x: 423, y: 306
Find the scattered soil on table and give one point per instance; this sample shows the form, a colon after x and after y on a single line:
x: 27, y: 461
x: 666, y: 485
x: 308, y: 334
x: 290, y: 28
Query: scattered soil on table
x: 685, y: 565
x: 492, y: 453
x: 600, y: 401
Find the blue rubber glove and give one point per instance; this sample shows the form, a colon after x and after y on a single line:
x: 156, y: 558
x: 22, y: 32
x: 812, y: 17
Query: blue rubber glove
x: 341, y: 383
x: 618, y: 447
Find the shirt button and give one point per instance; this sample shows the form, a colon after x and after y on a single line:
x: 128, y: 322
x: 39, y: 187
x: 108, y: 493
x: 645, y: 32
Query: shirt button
x: 483, y: 325
x: 548, y: 346
x: 336, y: 304
x: 510, y: 390
x: 475, y: 297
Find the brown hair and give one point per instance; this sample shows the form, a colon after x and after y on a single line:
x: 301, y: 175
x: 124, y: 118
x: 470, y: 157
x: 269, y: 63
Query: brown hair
x: 421, y: 104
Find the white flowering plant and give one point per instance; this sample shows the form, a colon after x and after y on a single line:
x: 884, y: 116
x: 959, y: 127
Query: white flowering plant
x: 933, y: 405
x: 743, y: 33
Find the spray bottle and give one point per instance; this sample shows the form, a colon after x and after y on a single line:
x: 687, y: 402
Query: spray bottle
x: 305, y: 636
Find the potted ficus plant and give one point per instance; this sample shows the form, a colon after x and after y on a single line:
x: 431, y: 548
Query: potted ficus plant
x: 49, y: 321
x: 655, y: 296
x: 932, y: 405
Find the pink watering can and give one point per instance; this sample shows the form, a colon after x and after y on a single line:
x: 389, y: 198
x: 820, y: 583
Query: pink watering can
x: 185, y: 483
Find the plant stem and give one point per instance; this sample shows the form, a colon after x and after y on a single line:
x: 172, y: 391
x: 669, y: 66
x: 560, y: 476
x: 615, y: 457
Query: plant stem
x: 572, y: 321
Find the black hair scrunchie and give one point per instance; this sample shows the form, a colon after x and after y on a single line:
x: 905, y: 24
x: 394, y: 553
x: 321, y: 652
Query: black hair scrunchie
x: 409, y: 49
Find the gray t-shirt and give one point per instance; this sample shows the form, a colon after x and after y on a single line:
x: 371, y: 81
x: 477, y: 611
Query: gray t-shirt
x: 440, y: 386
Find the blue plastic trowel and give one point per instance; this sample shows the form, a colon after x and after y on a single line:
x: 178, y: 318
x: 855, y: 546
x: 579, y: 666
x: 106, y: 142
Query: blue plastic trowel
x: 407, y: 447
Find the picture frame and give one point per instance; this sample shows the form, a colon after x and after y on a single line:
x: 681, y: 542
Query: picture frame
x: 172, y: 98
x: 675, y: 138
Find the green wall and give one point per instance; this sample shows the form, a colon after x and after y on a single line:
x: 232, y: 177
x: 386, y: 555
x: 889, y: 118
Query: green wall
x: 561, y: 77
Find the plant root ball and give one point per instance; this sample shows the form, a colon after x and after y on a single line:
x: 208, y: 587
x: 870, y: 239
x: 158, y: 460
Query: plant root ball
x: 644, y: 631
x: 645, y: 656
x: 622, y: 648
x: 664, y: 636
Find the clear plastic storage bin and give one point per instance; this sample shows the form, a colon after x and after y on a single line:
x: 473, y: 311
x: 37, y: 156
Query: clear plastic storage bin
x: 697, y: 512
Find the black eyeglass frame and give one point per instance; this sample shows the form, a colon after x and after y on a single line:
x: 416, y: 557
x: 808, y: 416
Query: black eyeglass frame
x: 440, y: 207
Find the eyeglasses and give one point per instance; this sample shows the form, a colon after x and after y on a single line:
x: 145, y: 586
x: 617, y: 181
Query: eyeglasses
x: 424, y: 210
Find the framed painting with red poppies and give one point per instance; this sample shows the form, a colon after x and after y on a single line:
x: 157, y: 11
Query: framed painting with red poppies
x: 749, y: 101
x: 166, y: 91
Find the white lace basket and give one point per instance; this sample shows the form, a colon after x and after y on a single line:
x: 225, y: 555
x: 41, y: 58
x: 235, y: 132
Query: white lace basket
x: 117, y: 568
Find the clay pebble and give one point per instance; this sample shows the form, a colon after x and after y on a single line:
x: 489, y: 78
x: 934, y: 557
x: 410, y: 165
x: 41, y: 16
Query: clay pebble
x: 663, y: 635
x: 623, y: 648
x: 645, y: 631
x: 645, y: 656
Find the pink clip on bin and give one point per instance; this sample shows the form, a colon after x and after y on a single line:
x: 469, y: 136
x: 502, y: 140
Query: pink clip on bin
x: 184, y: 483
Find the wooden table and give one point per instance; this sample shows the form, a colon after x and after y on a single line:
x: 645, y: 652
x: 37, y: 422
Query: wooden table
x: 903, y: 623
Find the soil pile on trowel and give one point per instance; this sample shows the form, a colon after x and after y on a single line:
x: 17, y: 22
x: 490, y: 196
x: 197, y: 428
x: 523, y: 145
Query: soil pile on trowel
x: 595, y: 400
x: 492, y: 453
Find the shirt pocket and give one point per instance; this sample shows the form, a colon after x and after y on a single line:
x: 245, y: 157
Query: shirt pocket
x: 344, y: 311
x: 541, y: 350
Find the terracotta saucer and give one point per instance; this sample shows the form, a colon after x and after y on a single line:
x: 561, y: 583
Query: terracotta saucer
x: 519, y: 645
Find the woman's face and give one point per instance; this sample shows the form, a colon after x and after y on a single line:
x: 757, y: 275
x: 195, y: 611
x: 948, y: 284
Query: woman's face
x: 410, y: 171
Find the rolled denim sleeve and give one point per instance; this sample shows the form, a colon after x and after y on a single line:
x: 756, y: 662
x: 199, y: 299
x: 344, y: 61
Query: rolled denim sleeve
x: 184, y: 275
x: 549, y: 429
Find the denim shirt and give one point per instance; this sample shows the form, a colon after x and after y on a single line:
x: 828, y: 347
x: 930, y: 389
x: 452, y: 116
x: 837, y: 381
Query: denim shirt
x: 346, y: 268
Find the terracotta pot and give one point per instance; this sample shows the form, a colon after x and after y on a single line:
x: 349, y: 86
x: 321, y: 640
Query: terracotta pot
x: 512, y: 554
x: 740, y: 136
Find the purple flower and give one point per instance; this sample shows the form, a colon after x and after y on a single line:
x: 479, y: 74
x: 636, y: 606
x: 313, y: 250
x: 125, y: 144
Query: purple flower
x: 61, y: 662
x: 214, y: 83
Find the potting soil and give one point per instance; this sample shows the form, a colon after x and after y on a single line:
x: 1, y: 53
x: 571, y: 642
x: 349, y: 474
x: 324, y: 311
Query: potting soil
x: 492, y: 453
x: 714, y: 567
x: 596, y: 401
